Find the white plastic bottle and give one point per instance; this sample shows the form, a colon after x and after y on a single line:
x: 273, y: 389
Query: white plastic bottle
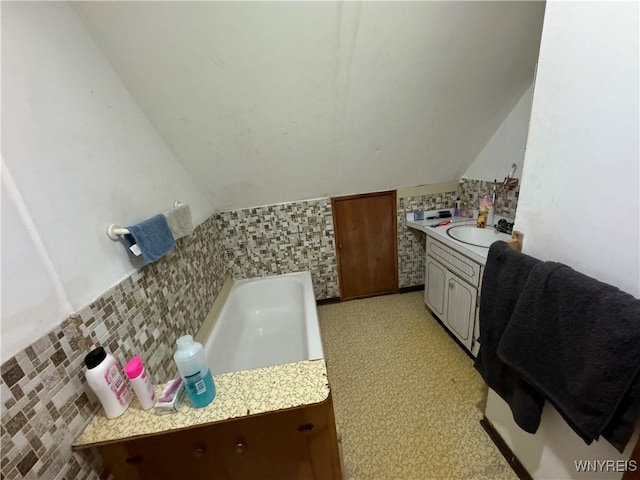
x: 140, y: 382
x: 490, y: 216
x: 105, y: 378
x: 195, y: 373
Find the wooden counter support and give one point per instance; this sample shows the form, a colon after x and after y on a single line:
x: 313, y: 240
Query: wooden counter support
x: 299, y: 443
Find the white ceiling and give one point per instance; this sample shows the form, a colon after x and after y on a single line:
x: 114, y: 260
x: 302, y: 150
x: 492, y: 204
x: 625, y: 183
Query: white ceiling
x: 278, y: 101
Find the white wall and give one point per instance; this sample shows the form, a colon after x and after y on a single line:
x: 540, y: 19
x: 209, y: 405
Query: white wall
x: 579, y: 199
x: 582, y: 161
x: 506, y: 146
x: 78, y: 154
x: 33, y: 299
x: 268, y: 102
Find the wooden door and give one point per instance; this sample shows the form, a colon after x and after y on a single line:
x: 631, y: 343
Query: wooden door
x: 434, y: 289
x: 366, y: 242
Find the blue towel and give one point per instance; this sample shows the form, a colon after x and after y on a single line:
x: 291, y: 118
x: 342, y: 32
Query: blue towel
x: 153, y: 236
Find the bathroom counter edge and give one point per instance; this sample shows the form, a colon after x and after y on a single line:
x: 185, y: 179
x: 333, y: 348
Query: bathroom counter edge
x: 239, y: 395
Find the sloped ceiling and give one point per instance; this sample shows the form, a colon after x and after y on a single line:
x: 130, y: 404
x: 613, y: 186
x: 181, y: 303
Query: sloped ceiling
x: 277, y: 101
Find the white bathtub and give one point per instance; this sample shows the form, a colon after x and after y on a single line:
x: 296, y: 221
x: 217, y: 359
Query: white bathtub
x: 264, y: 322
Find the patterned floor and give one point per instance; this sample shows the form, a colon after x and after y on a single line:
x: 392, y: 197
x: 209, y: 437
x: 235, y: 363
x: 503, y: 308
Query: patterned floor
x: 407, y: 399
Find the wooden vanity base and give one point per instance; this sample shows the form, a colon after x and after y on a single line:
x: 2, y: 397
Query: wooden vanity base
x: 292, y: 444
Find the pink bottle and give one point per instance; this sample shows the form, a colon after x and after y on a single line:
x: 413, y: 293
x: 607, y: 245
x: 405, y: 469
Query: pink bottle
x: 140, y: 382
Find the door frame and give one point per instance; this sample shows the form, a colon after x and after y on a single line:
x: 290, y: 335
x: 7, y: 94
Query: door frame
x: 336, y: 231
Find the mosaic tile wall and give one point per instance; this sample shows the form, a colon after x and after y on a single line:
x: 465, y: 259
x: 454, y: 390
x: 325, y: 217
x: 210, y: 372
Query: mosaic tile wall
x: 44, y: 401
x: 411, y: 243
x: 298, y: 236
x: 283, y: 238
x: 506, y: 199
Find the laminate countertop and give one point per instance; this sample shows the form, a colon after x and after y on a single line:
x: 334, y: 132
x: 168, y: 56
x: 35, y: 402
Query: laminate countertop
x: 238, y: 395
x: 478, y: 254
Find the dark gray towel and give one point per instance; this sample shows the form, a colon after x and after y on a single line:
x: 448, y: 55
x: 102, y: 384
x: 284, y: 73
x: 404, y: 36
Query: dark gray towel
x: 505, y: 274
x: 153, y: 236
x: 577, y: 340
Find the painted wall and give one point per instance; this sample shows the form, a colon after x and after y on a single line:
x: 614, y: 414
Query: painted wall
x: 269, y: 102
x: 582, y: 155
x: 579, y: 200
x: 506, y: 146
x: 44, y: 404
x: 79, y: 154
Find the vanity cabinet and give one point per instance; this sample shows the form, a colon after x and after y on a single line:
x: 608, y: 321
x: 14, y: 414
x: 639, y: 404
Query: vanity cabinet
x: 451, y: 291
x: 296, y: 444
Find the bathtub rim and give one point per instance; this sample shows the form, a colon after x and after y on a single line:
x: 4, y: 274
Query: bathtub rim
x: 316, y: 352
x: 214, y: 313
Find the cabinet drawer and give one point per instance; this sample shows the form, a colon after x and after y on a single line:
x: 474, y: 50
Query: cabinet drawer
x: 463, y: 267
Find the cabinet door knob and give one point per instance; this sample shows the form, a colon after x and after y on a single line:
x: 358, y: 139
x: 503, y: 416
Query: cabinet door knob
x: 450, y: 283
x: 198, y: 452
x: 240, y: 447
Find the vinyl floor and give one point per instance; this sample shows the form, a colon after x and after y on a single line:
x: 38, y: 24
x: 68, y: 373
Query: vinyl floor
x: 407, y: 399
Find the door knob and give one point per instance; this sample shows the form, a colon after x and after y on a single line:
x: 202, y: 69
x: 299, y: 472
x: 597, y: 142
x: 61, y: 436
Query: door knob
x: 450, y: 283
x: 240, y: 447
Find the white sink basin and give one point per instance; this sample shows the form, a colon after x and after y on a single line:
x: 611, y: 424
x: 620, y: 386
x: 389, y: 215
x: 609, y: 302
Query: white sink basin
x: 472, y: 235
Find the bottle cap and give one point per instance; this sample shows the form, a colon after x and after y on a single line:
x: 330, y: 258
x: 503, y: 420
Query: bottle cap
x: 134, y: 368
x: 95, y: 357
x: 184, y: 341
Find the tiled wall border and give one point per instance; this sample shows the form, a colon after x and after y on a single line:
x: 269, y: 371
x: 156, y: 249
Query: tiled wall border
x: 411, y: 243
x: 472, y: 190
x: 291, y: 237
x: 43, y: 391
x: 283, y: 238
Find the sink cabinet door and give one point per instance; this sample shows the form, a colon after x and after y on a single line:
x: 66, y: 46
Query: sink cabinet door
x: 452, y: 300
x: 435, y: 290
x: 461, y: 306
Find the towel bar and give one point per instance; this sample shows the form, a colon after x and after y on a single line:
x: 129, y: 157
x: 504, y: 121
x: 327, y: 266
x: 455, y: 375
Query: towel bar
x: 114, y: 232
